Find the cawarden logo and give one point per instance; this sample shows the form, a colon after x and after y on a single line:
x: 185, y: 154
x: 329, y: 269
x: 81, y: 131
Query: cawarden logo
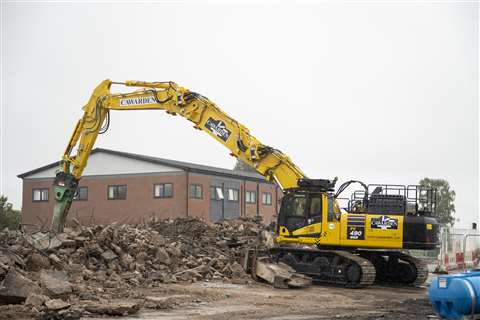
x: 137, y: 101
x: 384, y: 222
x: 218, y: 128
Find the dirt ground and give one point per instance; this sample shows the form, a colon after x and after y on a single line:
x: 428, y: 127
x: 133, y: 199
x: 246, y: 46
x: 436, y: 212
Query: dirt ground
x: 220, y: 301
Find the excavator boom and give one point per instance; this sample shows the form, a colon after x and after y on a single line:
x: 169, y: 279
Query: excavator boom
x: 175, y: 100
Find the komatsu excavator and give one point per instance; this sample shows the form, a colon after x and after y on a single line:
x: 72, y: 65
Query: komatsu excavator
x: 351, y: 245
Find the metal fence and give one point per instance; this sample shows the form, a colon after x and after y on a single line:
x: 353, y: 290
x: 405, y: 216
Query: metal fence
x: 460, y: 249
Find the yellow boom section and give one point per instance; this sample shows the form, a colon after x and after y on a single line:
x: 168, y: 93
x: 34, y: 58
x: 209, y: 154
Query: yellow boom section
x: 175, y: 100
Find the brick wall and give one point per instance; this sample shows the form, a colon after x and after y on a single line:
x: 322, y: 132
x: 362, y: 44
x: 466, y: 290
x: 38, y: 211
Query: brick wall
x: 268, y: 212
x: 199, y: 207
x: 140, y: 203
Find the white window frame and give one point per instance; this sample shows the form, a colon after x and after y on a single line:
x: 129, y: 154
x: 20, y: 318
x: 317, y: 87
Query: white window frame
x: 110, y: 187
x: 267, y: 196
x: 162, y: 186
x: 43, y: 194
x: 249, y: 198
x: 194, y: 194
x: 216, y: 193
x: 233, y: 194
x: 76, y: 197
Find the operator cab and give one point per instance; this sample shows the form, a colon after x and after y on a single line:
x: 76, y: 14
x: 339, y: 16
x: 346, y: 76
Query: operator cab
x: 303, y: 208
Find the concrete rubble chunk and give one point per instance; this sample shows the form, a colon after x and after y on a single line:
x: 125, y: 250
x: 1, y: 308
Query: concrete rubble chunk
x: 44, y: 241
x: 109, y: 255
x: 141, y: 257
x: 37, y: 262
x: 116, y: 248
x: 112, y: 308
x: 65, y: 240
x: 56, y: 304
x: 36, y: 300
x: 162, y: 255
x: 16, y: 288
x: 280, y: 275
x: 167, y: 302
x: 80, y: 240
x: 158, y: 239
x: 55, y: 283
x: 55, y: 259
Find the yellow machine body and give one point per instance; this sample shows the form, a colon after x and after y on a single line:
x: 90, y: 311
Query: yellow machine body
x: 343, y: 229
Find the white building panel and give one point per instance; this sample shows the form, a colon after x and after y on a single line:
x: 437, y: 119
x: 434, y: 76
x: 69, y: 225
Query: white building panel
x: 101, y: 163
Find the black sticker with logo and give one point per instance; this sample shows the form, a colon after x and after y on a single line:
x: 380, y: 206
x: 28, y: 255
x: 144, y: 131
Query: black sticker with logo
x: 356, y: 227
x: 355, y: 233
x: 218, y: 128
x: 385, y: 223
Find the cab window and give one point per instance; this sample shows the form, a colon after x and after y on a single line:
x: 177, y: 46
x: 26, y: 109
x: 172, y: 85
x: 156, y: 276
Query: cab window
x: 331, y: 209
x: 294, y: 210
x: 298, y: 207
x: 293, y: 206
x: 315, y: 212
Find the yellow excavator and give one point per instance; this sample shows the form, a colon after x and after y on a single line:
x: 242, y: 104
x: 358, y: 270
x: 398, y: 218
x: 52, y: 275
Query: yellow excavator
x: 350, y: 241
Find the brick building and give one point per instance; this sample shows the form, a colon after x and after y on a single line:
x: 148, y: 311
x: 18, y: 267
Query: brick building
x: 129, y: 188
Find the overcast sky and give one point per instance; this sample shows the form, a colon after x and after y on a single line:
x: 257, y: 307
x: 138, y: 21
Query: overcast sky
x: 385, y: 93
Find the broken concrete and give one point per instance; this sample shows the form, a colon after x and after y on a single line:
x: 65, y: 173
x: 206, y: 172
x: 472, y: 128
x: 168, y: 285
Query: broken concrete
x: 112, y: 308
x: 280, y: 275
x: 55, y: 283
x: 35, y: 300
x: 162, y: 255
x: 106, y: 263
x: 16, y: 288
x: 37, y: 262
x: 56, y: 304
x: 167, y: 302
x: 44, y: 241
x: 108, y: 255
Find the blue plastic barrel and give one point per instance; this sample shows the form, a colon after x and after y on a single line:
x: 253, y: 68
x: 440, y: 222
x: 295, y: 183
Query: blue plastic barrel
x: 457, y: 295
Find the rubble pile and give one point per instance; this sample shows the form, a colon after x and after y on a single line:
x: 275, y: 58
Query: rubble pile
x: 95, y: 267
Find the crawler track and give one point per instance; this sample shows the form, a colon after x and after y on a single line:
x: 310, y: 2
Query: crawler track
x: 357, y: 269
x: 397, y: 268
x: 329, y: 266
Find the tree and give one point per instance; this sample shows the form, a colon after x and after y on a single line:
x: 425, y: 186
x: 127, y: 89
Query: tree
x: 9, y: 217
x: 445, y: 208
x: 242, y: 166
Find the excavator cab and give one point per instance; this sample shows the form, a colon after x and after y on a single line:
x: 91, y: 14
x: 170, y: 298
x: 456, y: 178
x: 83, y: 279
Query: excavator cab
x: 310, y: 218
x: 309, y: 214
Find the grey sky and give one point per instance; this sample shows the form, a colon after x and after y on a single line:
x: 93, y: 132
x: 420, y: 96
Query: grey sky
x: 385, y: 93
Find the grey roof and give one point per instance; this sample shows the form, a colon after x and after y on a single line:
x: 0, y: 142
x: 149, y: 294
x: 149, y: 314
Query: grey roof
x: 187, y: 166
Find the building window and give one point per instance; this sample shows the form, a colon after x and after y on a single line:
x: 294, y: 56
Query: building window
x: 163, y: 190
x: 216, y: 193
x: 232, y: 194
x: 117, y: 192
x: 81, y: 194
x: 196, y: 191
x: 40, y: 195
x: 250, y: 196
x: 267, y: 198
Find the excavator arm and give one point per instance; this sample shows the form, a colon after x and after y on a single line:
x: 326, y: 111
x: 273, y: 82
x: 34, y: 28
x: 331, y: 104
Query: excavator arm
x: 274, y: 165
